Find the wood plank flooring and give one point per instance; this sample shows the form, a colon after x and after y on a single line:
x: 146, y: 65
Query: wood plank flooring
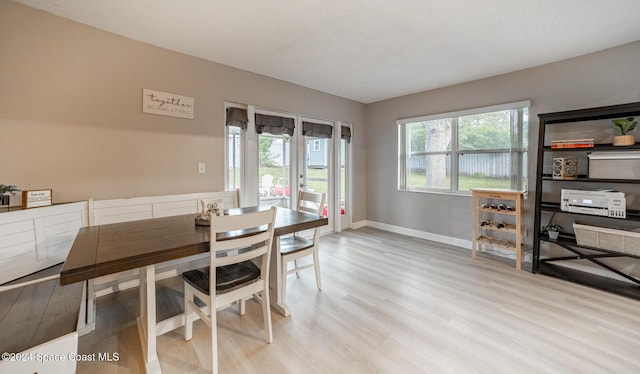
x: 394, y: 304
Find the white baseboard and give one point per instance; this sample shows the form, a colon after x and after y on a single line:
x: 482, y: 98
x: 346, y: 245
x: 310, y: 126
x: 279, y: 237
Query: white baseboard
x: 466, y: 244
x: 358, y: 225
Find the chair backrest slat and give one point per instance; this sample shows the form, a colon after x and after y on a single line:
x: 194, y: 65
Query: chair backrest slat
x: 254, y: 241
x: 241, y: 256
x: 242, y: 242
x: 311, y: 202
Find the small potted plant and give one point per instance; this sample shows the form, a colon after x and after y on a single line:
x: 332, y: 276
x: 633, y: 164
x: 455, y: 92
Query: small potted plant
x: 552, y: 229
x: 623, y: 126
x: 6, y: 191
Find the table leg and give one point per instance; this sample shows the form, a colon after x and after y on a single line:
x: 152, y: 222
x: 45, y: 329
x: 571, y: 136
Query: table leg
x: 88, y: 324
x: 276, y: 293
x: 147, y: 319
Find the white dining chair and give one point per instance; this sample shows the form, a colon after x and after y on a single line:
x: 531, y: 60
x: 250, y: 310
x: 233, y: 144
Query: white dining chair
x: 232, y: 276
x: 296, y: 246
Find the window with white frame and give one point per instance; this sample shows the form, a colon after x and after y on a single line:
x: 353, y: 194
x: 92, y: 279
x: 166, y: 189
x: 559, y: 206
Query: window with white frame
x: 236, y: 122
x: 478, y: 148
x: 234, y: 158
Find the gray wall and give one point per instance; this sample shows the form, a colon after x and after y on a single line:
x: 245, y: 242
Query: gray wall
x: 603, y: 78
x: 71, y: 112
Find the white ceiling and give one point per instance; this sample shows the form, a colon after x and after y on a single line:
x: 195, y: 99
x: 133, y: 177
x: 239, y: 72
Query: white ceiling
x: 367, y: 50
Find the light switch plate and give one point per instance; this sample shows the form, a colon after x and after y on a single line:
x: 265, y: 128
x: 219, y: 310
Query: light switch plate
x: 202, y: 168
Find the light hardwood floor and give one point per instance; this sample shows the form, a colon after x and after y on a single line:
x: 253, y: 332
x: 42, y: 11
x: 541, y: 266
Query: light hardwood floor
x: 394, y: 304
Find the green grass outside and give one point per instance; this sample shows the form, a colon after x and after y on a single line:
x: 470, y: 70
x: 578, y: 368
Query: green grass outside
x: 415, y: 180
x: 464, y: 183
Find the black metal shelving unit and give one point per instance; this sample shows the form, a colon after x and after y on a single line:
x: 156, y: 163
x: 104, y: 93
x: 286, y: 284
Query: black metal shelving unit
x: 553, y: 265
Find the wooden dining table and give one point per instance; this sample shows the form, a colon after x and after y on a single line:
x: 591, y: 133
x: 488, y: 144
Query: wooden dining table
x: 108, y: 249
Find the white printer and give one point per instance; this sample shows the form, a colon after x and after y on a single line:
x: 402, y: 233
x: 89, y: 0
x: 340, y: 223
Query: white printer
x: 606, y: 203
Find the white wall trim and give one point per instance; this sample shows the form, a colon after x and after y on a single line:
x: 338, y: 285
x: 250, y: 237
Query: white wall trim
x: 358, y: 225
x: 466, y: 244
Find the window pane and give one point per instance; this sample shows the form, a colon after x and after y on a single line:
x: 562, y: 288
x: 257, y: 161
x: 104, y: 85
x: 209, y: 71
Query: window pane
x: 523, y: 168
x: 525, y: 128
x: 416, y: 141
x: 429, y: 136
x: 484, y: 170
x: 429, y: 171
x: 485, y: 131
x: 343, y: 175
x: 233, y: 157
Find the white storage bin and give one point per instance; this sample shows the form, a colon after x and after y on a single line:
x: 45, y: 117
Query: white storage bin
x: 614, y: 165
x: 618, y: 240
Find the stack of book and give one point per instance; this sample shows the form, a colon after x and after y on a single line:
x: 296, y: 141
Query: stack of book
x: 572, y: 143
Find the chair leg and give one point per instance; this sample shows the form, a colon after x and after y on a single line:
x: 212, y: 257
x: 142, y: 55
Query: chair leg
x: 266, y: 313
x: 189, y: 314
x: 214, y: 338
x: 243, y: 306
x: 316, y: 266
x: 295, y: 262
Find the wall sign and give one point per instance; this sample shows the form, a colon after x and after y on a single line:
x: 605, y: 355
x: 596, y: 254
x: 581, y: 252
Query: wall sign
x: 167, y: 104
x: 34, y: 199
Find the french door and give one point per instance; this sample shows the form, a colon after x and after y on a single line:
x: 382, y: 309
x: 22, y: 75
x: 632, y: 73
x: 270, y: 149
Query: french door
x: 343, y: 175
x: 279, y: 154
x: 316, y: 163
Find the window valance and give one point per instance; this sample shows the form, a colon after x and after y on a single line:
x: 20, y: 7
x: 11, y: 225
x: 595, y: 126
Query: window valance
x: 237, y: 117
x: 274, y: 125
x: 346, y: 133
x: 317, y: 130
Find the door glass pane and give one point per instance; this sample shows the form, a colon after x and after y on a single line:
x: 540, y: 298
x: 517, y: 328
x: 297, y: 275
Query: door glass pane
x: 274, y: 169
x: 343, y: 176
x: 316, y: 175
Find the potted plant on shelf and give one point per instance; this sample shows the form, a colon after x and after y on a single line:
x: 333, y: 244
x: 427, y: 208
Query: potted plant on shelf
x: 552, y: 229
x: 6, y: 191
x: 623, y: 126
